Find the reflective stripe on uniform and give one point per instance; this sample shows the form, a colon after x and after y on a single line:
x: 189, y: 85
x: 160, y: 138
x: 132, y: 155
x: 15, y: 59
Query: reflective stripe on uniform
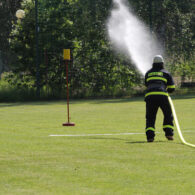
x: 156, y: 93
x: 155, y: 74
x: 156, y: 78
x: 150, y: 128
x: 168, y: 126
x: 171, y: 86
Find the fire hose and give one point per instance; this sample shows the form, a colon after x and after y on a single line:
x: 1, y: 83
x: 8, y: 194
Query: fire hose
x: 177, y: 124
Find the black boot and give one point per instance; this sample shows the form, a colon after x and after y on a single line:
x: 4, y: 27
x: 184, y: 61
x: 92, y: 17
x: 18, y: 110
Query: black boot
x: 169, y: 133
x: 150, y: 135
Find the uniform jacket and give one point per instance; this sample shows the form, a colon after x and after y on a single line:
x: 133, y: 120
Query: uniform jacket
x: 158, y: 82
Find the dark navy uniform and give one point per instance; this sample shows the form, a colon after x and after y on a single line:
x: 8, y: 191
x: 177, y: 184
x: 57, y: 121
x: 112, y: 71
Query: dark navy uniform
x: 159, y: 83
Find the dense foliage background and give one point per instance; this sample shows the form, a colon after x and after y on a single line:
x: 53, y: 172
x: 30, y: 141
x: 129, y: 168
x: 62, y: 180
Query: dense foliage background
x: 95, y: 69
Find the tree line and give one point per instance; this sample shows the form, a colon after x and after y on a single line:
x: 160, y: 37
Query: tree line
x: 80, y: 25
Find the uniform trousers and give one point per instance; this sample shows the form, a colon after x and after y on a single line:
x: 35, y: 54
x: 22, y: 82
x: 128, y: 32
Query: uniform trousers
x: 153, y: 103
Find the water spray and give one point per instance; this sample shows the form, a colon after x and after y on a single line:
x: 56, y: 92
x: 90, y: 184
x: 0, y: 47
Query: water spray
x: 131, y: 37
x: 177, y: 124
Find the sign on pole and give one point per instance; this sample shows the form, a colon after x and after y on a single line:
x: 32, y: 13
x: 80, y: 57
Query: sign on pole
x: 67, y: 57
x: 67, y: 54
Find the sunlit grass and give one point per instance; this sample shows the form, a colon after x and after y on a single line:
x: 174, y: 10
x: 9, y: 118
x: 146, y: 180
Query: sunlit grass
x: 32, y: 162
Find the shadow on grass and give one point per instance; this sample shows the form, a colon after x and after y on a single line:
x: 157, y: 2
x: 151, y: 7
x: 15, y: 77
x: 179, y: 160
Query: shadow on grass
x: 35, y: 103
x: 24, y: 104
x: 190, y: 96
x: 122, y: 139
x: 9, y: 105
x: 134, y: 142
x: 127, y: 141
x: 125, y: 100
x: 118, y: 100
x: 144, y: 142
x: 89, y: 101
x: 159, y: 141
x: 63, y: 102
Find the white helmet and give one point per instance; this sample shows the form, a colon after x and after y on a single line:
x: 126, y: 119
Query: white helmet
x: 158, y: 59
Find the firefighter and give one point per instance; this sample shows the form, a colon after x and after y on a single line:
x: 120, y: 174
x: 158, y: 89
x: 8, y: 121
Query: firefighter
x: 159, y: 83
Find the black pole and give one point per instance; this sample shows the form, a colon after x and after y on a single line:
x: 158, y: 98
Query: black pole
x: 37, y: 50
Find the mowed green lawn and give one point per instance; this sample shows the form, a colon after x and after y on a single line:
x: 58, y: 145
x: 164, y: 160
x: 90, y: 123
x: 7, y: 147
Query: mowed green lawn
x: 32, y: 162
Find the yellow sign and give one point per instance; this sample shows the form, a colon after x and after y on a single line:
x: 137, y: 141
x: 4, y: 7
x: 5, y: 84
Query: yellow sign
x: 66, y: 54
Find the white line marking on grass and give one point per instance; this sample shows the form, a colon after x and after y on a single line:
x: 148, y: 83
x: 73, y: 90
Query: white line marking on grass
x: 85, y: 135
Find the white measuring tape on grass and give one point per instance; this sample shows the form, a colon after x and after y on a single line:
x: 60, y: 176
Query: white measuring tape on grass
x: 177, y: 123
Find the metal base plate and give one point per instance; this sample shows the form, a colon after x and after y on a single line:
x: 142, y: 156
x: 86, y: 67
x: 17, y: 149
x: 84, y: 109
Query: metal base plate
x: 68, y: 124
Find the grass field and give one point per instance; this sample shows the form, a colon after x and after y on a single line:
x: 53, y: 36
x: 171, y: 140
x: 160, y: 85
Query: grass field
x: 32, y: 162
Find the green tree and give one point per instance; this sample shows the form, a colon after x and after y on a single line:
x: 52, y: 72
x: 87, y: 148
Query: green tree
x: 7, y: 18
x: 80, y: 26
